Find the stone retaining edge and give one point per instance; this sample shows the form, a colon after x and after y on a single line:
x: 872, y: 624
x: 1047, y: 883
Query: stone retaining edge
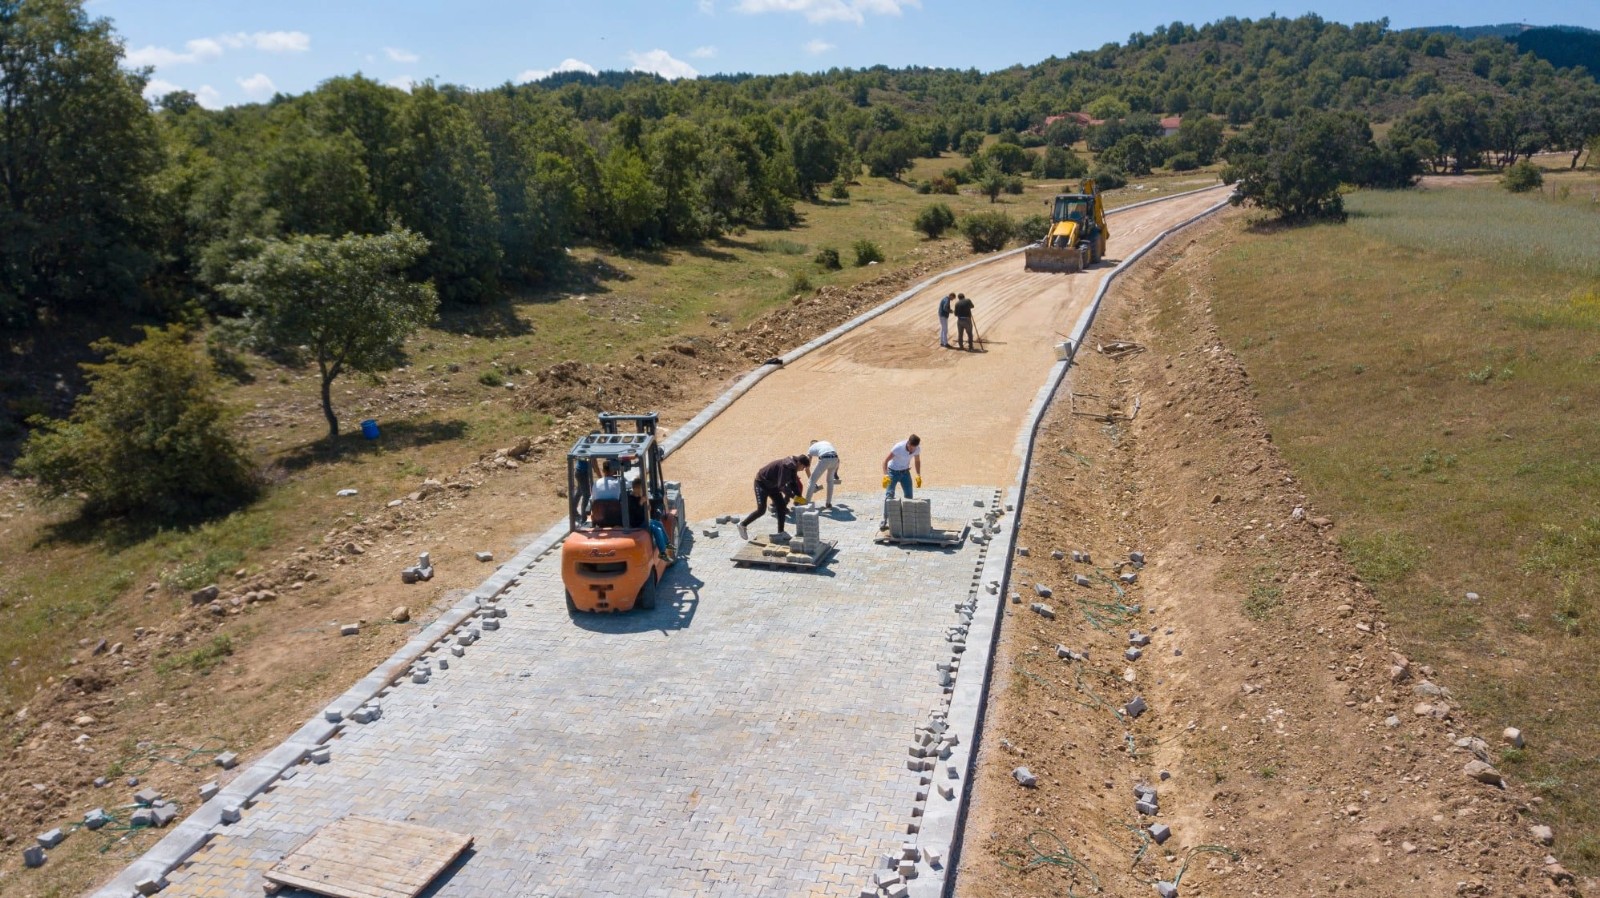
x: 197, y: 829
x: 943, y: 823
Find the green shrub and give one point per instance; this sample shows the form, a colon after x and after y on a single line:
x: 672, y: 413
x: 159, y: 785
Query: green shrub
x: 924, y: 187
x: 1032, y: 229
x: 492, y: 378
x: 840, y: 190
x: 1523, y: 177
x: 1184, y: 162
x: 799, y: 283
x: 943, y: 186
x: 957, y: 175
x: 828, y: 258
x: 987, y: 231
x: 867, y: 252
x: 148, y: 438
x: 1014, y: 185
x: 1109, y: 177
x: 934, y: 220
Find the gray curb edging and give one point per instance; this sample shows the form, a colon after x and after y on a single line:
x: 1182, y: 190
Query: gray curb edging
x: 200, y: 826
x: 943, y: 824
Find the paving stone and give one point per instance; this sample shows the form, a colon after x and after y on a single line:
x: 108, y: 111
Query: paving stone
x: 767, y: 687
x: 50, y: 839
x: 1513, y: 737
x: 1166, y: 889
x: 1138, y: 639
x: 1135, y: 707
x: 1136, y: 557
x: 349, y: 629
x: 483, y: 556
x: 165, y: 814
x: 1025, y: 776
x: 150, y: 885
x: 1082, y: 580
x: 232, y: 814
x: 227, y: 760
x: 1146, y: 807
x: 1160, y: 833
x: 34, y: 856
x: 146, y: 797
x: 1043, y: 610
x: 1043, y: 591
x: 143, y: 817
x: 1133, y: 654
x: 209, y: 790
x: 96, y: 818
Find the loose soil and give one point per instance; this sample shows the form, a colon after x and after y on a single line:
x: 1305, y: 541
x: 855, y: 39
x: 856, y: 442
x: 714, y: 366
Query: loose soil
x: 1293, y: 751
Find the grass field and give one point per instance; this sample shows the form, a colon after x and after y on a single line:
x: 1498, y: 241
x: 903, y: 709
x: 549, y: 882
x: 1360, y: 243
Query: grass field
x: 1431, y: 369
x: 60, y: 583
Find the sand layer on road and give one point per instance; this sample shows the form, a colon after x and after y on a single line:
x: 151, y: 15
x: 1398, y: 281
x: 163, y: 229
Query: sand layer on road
x: 889, y: 378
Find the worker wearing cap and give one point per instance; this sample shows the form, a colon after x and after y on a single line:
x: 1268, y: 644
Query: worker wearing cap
x: 897, y: 465
x: 777, y: 481
x: 825, y: 469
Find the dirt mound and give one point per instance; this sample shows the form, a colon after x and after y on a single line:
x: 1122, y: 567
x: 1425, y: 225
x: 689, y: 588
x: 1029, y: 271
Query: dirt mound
x: 1292, y: 751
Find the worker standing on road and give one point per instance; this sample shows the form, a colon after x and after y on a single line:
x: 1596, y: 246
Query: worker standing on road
x: 777, y: 481
x: 944, y: 319
x: 824, y: 469
x: 897, y: 465
x: 964, y: 328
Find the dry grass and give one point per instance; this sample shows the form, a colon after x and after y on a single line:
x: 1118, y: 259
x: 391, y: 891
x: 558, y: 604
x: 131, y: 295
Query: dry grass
x: 1431, y: 371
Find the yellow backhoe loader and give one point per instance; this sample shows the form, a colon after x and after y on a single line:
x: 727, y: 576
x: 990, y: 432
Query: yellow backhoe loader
x: 1078, y: 233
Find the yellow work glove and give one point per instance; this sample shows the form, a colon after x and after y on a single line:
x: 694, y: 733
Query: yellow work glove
x: 919, y: 481
x: 886, y: 481
x: 799, y: 500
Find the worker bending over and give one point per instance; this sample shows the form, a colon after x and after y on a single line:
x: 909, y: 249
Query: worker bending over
x: 777, y: 481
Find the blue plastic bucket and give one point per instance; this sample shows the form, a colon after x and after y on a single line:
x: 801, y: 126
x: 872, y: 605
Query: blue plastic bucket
x: 369, y: 429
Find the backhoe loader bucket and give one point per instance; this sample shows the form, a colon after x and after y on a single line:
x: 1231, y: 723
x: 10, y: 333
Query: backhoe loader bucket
x: 1049, y: 258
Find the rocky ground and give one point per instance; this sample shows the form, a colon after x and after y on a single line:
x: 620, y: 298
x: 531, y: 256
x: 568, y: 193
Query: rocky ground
x: 1292, y: 750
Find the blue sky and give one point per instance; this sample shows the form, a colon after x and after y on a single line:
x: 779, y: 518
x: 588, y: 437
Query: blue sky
x: 230, y: 52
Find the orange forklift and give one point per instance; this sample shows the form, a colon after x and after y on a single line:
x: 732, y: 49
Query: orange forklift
x: 611, y: 560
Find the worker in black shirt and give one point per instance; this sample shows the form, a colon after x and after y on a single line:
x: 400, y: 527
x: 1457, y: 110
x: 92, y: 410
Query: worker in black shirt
x: 778, y: 481
x: 964, y: 328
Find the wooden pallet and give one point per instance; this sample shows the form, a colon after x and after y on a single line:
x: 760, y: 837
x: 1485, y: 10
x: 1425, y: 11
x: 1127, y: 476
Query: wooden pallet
x: 364, y: 857
x: 750, y: 555
x: 941, y: 533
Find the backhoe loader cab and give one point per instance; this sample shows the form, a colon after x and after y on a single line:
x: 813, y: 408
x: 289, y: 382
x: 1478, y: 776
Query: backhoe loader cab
x: 1077, y: 237
x: 609, y: 560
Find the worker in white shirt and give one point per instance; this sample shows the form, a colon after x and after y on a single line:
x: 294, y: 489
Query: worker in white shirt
x: 824, y: 469
x: 897, y: 465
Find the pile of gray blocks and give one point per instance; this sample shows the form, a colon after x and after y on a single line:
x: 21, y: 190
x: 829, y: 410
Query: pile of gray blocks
x: 908, y: 518
x: 809, y: 524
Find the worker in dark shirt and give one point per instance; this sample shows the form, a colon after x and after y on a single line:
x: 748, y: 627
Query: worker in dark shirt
x: 964, y: 328
x: 777, y: 481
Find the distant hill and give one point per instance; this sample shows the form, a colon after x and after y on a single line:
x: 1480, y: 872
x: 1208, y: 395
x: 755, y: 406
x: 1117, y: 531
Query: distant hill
x: 1563, y: 46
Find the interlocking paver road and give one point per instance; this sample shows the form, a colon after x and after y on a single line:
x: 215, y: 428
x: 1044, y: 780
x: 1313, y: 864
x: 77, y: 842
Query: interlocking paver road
x: 748, y: 737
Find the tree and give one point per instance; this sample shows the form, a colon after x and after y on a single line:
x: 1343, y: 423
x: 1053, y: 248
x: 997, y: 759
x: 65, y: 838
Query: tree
x: 148, y: 438
x: 77, y: 152
x: 992, y: 182
x: 817, y: 154
x: 934, y: 220
x: 318, y: 183
x: 348, y: 301
x: 890, y: 154
x: 1009, y: 158
x: 1200, y: 135
x: 444, y: 178
x: 1295, y: 166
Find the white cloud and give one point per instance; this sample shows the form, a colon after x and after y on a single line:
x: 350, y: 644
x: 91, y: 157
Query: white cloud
x: 830, y: 10
x: 818, y: 46
x: 155, y: 88
x: 270, y: 41
x: 703, y: 52
x: 404, y: 82
x: 660, y: 62
x: 398, y: 55
x: 208, y: 96
x: 198, y: 50
x: 203, y: 49
x: 707, y: 7
x: 566, y: 65
x: 258, y: 86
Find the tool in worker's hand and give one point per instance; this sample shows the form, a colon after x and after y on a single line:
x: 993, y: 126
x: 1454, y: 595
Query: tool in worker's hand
x: 886, y: 481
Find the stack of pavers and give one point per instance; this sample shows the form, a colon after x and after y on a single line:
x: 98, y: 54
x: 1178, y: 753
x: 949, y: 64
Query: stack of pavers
x: 908, y: 518
x: 810, y: 527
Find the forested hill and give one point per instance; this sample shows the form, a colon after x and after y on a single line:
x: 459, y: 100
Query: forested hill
x: 1563, y: 46
x: 111, y: 201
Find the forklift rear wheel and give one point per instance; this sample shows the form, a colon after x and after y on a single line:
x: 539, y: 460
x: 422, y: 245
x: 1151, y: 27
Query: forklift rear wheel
x: 647, y: 594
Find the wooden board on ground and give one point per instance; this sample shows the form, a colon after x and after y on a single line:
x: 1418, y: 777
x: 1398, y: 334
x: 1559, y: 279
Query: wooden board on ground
x: 364, y: 857
x: 752, y: 554
x: 941, y: 533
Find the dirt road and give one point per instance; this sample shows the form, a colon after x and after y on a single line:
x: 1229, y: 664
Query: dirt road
x: 889, y: 378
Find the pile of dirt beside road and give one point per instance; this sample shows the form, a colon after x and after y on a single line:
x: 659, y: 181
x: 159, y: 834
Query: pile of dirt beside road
x: 1292, y: 751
